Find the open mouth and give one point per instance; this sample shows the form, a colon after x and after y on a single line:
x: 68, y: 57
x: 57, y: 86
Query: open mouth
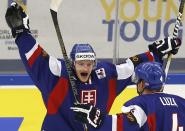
x: 84, y: 74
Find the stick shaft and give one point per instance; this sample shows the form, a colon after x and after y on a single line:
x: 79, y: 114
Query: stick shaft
x: 116, y: 35
x: 66, y: 59
x: 175, y: 34
x: 64, y: 53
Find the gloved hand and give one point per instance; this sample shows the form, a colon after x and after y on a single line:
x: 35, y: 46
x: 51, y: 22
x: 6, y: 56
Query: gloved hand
x: 17, y: 19
x: 88, y: 114
x: 165, y: 46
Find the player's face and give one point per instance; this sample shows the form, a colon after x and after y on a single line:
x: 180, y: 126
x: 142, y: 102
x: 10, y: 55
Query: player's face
x: 83, y: 69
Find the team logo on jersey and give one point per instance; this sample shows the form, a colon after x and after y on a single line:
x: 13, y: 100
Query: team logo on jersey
x: 135, y: 58
x: 131, y: 117
x: 100, y: 73
x: 88, y: 96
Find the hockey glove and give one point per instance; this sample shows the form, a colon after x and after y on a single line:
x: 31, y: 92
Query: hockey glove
x: 165, y: 46
x: 17, y: 19
x: 88, y: 114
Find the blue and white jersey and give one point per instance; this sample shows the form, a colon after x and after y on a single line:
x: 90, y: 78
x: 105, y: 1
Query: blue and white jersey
x: 158, y: 112
x: 50, y: 76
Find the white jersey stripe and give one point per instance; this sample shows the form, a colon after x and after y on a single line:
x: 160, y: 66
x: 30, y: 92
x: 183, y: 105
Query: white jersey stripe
x: 30, y: 53
x: 125, y: 70
x: 55, y: 66
x: 114, y: 122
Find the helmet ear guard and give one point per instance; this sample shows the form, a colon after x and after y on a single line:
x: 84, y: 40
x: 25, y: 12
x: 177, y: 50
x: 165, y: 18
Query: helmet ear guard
x: 152, y: 73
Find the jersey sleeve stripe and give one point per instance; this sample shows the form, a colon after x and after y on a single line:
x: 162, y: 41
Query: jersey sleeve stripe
x: 57, y: 96
x: 34, y: 56
x: 112, y: 93
x: 117, y: 122
x: 55, y: 66
x: 30, y: 52
x: 125, y: 70
x: 150, y: 56
x: 151, y: 120
x: 120, y: 122
x: 138, y: 113
x: 114, y: 122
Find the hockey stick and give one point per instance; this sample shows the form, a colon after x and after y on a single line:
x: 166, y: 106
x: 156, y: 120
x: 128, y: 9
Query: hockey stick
x: 116, y: 35
x: 53, y: 9
x: 175, y: 34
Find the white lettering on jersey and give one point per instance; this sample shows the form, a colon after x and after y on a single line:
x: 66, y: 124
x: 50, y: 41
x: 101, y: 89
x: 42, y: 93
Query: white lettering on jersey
x: 168, y: 101
x: 175, y: 121
x: 175, y: 124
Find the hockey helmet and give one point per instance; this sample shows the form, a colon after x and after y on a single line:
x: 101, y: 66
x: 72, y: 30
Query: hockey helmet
x: 152, y: 73
x: 82, y: 52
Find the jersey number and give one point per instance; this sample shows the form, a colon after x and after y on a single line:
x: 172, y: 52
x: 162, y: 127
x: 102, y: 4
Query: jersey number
x: 175, y: 126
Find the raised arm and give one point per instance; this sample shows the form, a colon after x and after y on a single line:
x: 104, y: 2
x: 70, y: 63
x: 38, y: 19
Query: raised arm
x: 42, y: 68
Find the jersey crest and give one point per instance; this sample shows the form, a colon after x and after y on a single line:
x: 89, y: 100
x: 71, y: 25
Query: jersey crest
x: 88, y: 96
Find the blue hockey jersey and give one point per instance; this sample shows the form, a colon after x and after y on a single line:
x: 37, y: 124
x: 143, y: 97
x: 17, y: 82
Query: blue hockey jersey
x: 158, y: 112
x: 152, y: 112
x: 50, y: 76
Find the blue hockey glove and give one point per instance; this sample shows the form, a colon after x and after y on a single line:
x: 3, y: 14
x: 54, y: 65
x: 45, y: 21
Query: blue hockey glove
x: 17, y: 19
x: 165, y: 46
x: 88, y: 114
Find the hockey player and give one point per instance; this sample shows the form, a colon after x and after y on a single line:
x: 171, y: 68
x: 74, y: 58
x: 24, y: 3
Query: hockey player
x: 152, y: 110
x: 97, y: 82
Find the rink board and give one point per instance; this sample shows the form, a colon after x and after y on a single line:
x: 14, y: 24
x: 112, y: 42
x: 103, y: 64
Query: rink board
x: 22, y: 107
